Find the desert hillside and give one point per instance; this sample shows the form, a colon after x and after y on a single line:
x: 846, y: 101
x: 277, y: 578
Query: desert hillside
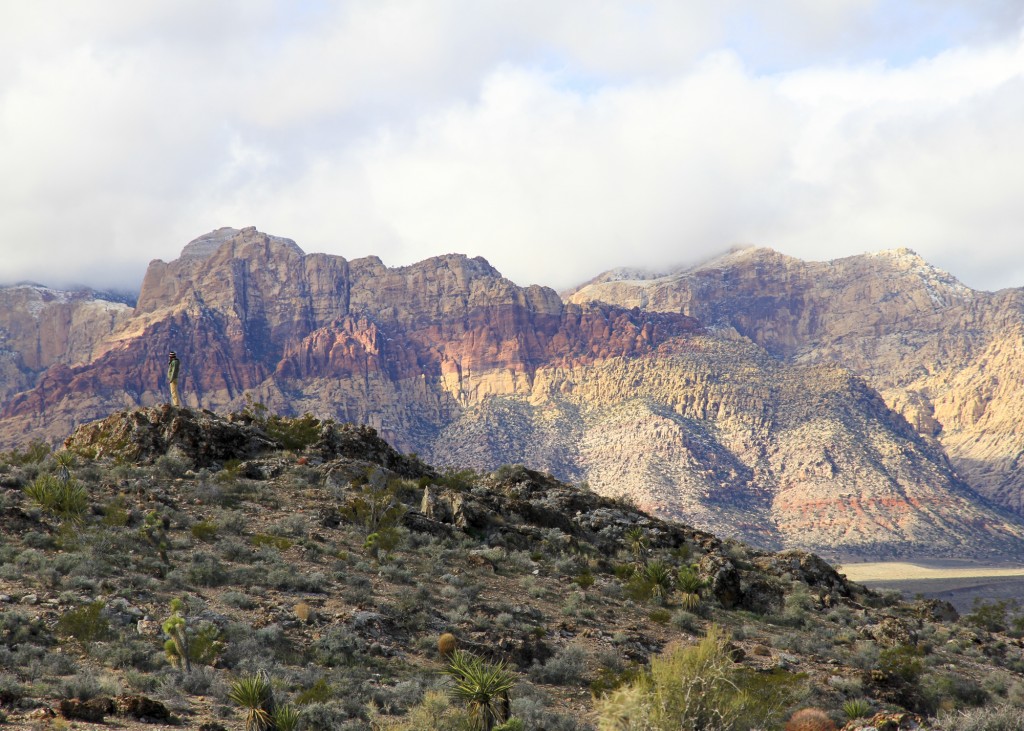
x: 314, y: 555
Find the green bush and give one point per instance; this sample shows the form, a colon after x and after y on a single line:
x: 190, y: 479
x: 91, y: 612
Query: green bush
x: 279, y: 542
x: 86, y: 624
x: 294, y: 433
x: 991, y: 616
x: 902, y: 663
x: 34, y: 453
x: 696, y: 688
x: 319, y: 692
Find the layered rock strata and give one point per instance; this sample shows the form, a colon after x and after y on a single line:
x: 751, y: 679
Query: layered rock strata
x: 448, y: 359
x: 948, y: 358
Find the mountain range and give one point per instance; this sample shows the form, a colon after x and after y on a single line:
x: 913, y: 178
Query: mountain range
x: 861, y: 408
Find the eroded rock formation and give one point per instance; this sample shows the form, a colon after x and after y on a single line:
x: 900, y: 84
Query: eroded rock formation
x: 948, y: 358
x: 740, y: 427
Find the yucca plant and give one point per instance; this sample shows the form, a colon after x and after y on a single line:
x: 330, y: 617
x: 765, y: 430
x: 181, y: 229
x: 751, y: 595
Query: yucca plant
x: 637, y: 542
x: 65, y: 461
x: 690, y: 587
x: 658, y: 576
x: 857, y: 708
x: 255, y: 696
x: 482, y: 686
x: 286, y: 718
x: 66, y: 500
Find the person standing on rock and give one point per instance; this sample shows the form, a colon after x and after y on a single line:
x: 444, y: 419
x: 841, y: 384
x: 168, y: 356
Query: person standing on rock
x: 173, y: 365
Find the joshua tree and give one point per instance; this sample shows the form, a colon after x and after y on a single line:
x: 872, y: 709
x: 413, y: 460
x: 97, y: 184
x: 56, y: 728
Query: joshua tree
x: 176, y: 629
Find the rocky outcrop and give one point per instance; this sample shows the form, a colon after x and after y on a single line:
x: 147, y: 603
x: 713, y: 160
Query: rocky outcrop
x: 142, y: 435
x: 446, y: 358
x: 945, y: 357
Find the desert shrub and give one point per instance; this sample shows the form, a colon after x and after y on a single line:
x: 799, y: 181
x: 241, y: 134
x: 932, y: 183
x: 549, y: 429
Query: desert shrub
x: 902, y: 663
x: 86, y: 623
x: 206, y: 569
x: 611, y: 678
x: 659, y: 615
x: 567, y: 667
x: 295, y: 526
x: 84, y: 686
x: 294, y: 433
x: 991, y: 616
x: 433, y: 713
x: 584, y: 579
x: 329, y: 716
x: 340, y: 646
x: 533, y: 711
x: 10, y: 689
x: 462, y: 480
x: 34, y: 453
x: 993, y: 718
x: 115, y: 514
x: 204, y: 530
x: 17, y: 628
x: 319, y: 692
x: 286, y: 579
x: 168, y: 465
x: 695, y: 688
x: 960, y: 689
x: 262, y: 540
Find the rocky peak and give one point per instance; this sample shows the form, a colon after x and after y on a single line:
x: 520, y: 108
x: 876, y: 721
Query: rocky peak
x: 206, y: 245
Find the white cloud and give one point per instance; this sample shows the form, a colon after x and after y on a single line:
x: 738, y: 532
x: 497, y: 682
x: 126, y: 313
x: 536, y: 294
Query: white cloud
x: 554, y: 139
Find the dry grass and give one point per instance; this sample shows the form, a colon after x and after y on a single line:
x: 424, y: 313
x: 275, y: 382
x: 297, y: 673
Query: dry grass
x: 902, y: 571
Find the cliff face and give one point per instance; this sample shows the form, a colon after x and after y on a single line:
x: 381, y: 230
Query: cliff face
x: 449, y: 359
x: 946, y: 357
x: 42, y: 327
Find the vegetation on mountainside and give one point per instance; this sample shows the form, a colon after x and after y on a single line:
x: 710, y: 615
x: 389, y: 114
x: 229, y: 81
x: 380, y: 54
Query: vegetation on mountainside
x: 256, y: 593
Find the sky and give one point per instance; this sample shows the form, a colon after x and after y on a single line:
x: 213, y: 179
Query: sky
x: 555, y: 139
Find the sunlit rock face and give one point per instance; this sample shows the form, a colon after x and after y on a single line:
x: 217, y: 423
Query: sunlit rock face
x: 702, y: 395
x: 947, y: 358
x: 42, y: 327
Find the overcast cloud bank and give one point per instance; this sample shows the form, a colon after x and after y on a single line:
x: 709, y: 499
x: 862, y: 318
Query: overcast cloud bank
x: 556, y: 142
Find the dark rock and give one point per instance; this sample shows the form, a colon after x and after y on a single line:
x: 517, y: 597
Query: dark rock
x: 93, y: 710
x: 723, y: 579
x: 414, y: 520
x: 762, y: 596
x: 362, y: 442
x: 142, y: 708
